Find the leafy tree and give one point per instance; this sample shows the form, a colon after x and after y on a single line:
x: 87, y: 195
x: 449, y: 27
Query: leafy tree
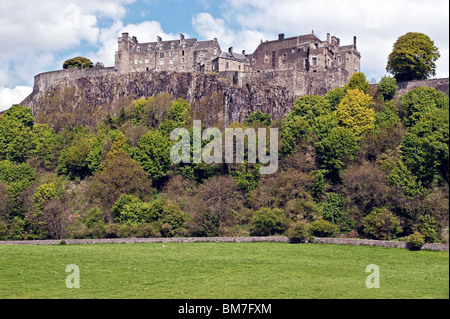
x: 356, y: 113
x: 323, y: 228
x: 413, y: 57
x: 334, y: 97
x: 260, y: 117
x: 425, y: 148
x: 381, y: 224
x: 357, y: 81
x: 339, y: 146
x: 418, y: 102
x: 388, y: 117
x: 153, y: 154
x: 78, y: 62
x: 332, y: 210
x: 387, y: 87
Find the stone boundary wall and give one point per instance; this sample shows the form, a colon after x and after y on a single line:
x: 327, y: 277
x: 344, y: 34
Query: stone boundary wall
x: 316, y: 240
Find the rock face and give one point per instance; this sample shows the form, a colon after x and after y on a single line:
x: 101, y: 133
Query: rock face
x: 102, y: 87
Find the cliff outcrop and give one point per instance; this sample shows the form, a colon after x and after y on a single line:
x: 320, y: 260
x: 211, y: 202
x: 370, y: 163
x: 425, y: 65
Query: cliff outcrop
x: 103, y: 88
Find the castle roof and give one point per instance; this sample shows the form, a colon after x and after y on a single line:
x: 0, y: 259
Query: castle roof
x: 173, y: 44
x: 233, y: 56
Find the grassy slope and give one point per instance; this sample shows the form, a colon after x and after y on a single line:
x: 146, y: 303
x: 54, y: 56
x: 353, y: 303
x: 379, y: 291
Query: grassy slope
x: 221, y: 270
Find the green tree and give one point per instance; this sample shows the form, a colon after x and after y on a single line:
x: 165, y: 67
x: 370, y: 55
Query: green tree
x: 381, y: 224
x: 419, y: 102
x: 355, y: 112
x: 387, y: 87
x: 260, y: 117
x: 268, y: 221
x: 413, y: 57
x: 338, y: 147
x: 425, y: 148
x: 358, y: 81
x: 334, y: 97
x: 78, y: 62
x: 153, y: 154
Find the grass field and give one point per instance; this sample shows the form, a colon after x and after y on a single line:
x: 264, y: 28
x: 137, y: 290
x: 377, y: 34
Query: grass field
x: 221, y: 270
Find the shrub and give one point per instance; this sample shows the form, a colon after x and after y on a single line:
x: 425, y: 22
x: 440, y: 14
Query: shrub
x: 415, y: 241
x: 299, y: 232
x: 268, y: 221
x: 381, y: 224
x: 322, y: 228
x: 332, y: 210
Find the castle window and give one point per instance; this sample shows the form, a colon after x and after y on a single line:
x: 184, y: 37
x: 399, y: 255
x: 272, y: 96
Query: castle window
x: 161, y: 61
x: 182, y: 67
x: 172, y: 45
x: 239, y: 67
x: 284, y: 56
x: 149, y: 48
x: 138, y: 49
x: 161, y: 54
x: 266, y: 58
x: 182, y: 60
x: 339, y: 60
x: 135, y: 61
x: 171, y: 68
x: 201, y: 57
x: 146, y: 60
x: 215, y: 51
x: 182, y: 53
x: 157, y: 68
x: 316, y: 45
x: 171, y: 61
x: 227, y: 66
x: 171, y: 53
x: 314, y: 61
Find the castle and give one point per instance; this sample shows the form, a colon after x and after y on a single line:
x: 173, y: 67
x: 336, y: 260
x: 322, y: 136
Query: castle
x: 269, y: 79
x: 303, y: 63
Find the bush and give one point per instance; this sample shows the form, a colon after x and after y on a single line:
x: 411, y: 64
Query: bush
x: 268, y: 221
x: 322, y: 228
x: 299, y: 232
x: 381, y: 224
x: 415, y: 241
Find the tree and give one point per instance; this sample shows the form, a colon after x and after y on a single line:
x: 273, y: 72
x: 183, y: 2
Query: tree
x: 259, y: 116
x: 381, y: 224
x: 78, y: 62
x: 387, y: 87
x: 413, y: 57
x: 356, y: 113
x: 358, y: 81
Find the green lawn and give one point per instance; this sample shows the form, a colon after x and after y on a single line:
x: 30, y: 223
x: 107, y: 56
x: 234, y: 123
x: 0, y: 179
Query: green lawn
x: 221, y: 270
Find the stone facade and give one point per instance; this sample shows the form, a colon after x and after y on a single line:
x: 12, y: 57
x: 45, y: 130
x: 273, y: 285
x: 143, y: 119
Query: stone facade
x: 181, y: 55
x: 304, y: 64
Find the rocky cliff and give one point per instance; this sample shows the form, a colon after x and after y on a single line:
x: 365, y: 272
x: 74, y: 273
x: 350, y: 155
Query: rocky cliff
x: 102, y: 88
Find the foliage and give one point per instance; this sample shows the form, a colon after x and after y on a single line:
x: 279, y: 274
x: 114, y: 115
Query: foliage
x: 356, y: 113
x: 298, y: 232
x: 339, y: 146
x: 268, y: 221
x: 425, y: 148
x: 416, y: 241
x: 78, y: 62
x: 334, y: 97
x: 357, y: 81
x: 381, y: 224
x: 419, y: 102
x: 260, y: 117
x: 332, y: 210
x: 387, y: 87
x: 322, y: 228
x: 413, y: 57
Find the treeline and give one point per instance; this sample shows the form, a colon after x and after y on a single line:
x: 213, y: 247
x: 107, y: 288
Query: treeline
x: 357, y: 162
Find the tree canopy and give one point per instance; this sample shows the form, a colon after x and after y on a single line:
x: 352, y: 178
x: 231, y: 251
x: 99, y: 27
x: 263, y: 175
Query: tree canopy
x: 413, y: 57
x: 78, y: 62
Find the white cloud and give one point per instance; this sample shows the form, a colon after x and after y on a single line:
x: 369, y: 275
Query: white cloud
x: 8, y: 97
x: 209, y: 27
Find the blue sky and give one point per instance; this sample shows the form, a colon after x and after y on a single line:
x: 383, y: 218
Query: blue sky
x: 38, y: 36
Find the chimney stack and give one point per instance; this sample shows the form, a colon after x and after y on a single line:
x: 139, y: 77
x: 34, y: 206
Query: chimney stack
x: 354, y: 42
x: 281, y: 36
x: 158, y: 39
x: 328, y: 38
x: 230, y: 50
x: 181, y: 36
x: 134, y: 39
x: 243, y: 52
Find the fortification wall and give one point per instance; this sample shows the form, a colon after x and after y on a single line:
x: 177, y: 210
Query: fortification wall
x: 441, y: 84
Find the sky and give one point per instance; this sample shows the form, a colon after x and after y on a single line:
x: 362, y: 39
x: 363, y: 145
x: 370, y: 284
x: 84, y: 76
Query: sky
x: 38, y: 36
